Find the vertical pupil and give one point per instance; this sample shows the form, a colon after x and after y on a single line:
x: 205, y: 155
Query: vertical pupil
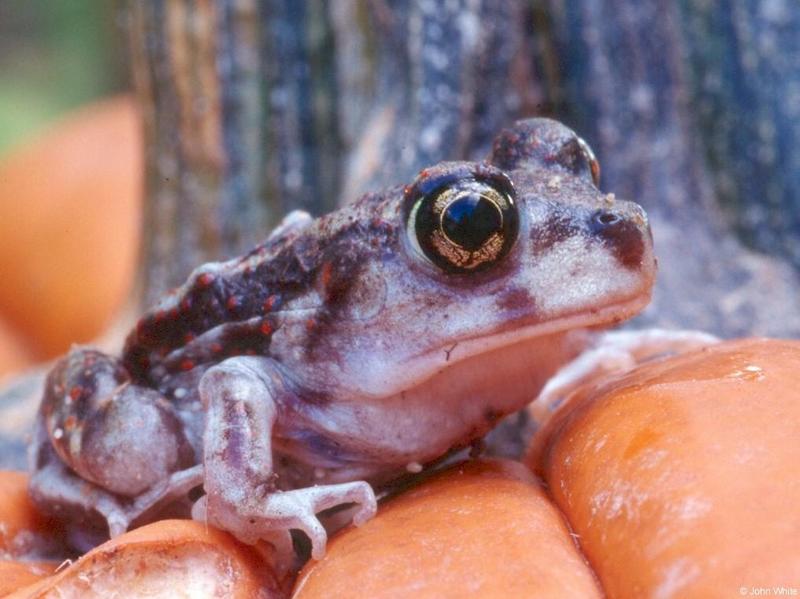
x: 470, y: 220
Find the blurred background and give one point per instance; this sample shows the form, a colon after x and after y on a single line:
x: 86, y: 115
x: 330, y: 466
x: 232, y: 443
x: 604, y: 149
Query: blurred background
x: 55, y: 56
x: 70, y: 175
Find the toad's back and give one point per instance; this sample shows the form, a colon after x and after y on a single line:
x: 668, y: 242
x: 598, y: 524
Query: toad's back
x: 303, y: 273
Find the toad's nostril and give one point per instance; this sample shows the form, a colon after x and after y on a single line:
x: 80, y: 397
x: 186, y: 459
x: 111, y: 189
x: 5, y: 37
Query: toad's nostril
x: 621, y: 235
x: 603, y: 218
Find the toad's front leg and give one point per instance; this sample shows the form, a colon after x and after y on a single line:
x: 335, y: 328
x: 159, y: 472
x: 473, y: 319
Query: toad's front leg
x: 242, y: 396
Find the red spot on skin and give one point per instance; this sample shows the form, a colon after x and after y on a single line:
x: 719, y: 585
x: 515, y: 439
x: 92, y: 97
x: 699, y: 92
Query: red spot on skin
x: 173, y: 314
x: 188, y: 337
x: 232, y: 303
x: 187, y: 365
x: 216, y: 348
x: 266, y: 328
x: 75, y: 392
x: 186, y: 304
x: 270, y: 303
x: 160, y: 315
x: 325, y: 275
x: 70, y: 422
x: 310, y: 324
x: 205, y: 279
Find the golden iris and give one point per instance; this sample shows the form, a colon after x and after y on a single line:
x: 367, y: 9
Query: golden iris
x: 466, y: 225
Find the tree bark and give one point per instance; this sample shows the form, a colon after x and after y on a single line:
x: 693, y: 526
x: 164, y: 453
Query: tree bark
x: 745, y: 59
x: 628, y: 80
x: 239, y: 106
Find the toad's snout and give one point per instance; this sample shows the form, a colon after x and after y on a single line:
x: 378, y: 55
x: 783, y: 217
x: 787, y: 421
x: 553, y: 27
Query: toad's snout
x: 623, y: 228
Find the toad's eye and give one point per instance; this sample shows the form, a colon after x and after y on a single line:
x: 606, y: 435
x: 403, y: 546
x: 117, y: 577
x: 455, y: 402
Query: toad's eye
x: 466, y: 224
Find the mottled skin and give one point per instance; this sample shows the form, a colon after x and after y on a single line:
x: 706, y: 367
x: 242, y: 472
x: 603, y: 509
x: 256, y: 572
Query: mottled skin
x: 335, y: 356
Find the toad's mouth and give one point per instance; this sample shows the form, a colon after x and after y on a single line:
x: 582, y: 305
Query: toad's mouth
x: 518, y: 330
x: 419, y: 368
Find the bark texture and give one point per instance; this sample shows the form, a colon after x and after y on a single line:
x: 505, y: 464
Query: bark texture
x: 745, y: 59
x: 633, y: 85
x: 240, y: 109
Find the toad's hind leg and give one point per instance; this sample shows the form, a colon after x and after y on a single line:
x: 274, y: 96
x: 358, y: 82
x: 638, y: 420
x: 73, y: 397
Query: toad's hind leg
x: 241, y: 396
x: 106, y: 445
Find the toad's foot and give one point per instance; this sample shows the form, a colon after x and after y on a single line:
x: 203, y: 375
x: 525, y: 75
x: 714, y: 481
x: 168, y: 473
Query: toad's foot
x: 174, y: 488
x: 614, y: 352
x: 296, y: 509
